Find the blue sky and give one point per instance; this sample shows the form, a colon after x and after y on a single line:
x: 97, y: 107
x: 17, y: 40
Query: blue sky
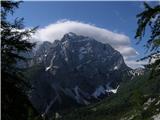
x: 119, y: 17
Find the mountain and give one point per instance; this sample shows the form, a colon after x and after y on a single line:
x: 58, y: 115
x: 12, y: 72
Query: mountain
x: 137, y: 72
x: 136, y: 99
x: 76, y: 70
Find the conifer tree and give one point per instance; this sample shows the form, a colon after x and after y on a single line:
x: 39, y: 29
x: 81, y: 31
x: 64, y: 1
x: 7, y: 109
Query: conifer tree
x: 150, y: 18
x: 14, y: 41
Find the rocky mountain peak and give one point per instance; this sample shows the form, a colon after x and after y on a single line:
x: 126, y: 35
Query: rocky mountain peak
x: 78, y: 67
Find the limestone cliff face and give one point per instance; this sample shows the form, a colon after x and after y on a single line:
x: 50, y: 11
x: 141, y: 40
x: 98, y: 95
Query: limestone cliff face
x: 75, y: 70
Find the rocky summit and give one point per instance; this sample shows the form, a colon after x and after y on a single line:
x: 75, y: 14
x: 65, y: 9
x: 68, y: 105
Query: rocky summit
x: 75, y: 70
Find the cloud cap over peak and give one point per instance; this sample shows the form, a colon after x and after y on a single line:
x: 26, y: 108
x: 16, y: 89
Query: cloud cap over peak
x: 55, y: 31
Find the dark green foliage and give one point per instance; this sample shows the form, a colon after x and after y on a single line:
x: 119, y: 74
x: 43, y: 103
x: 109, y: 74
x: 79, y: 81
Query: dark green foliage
x: 14, y: 41
x: 129, y: 101
x: 150, y: 18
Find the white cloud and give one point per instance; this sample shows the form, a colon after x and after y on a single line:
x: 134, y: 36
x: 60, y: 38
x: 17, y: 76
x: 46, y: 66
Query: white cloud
x: 54, y: 31
x: 134, y: 64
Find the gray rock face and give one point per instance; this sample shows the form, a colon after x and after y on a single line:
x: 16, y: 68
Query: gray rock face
x: 75, y: 69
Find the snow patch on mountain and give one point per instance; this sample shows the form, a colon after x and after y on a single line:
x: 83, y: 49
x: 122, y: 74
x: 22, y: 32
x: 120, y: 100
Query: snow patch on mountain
x: 116, y: 68
x: 113, y: 90
x: 51, y: 64
x: 47, y: 68
x: 102, y: 90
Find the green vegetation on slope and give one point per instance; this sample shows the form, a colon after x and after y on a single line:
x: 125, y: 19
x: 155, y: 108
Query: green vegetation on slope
x: 137, y: 99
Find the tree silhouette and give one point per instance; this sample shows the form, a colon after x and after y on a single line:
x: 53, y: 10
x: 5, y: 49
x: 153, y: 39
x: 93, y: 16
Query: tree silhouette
x: 150, y: 17
x: 14, y: 41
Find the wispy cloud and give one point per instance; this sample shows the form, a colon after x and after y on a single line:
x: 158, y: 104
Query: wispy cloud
x: 55, y: 31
